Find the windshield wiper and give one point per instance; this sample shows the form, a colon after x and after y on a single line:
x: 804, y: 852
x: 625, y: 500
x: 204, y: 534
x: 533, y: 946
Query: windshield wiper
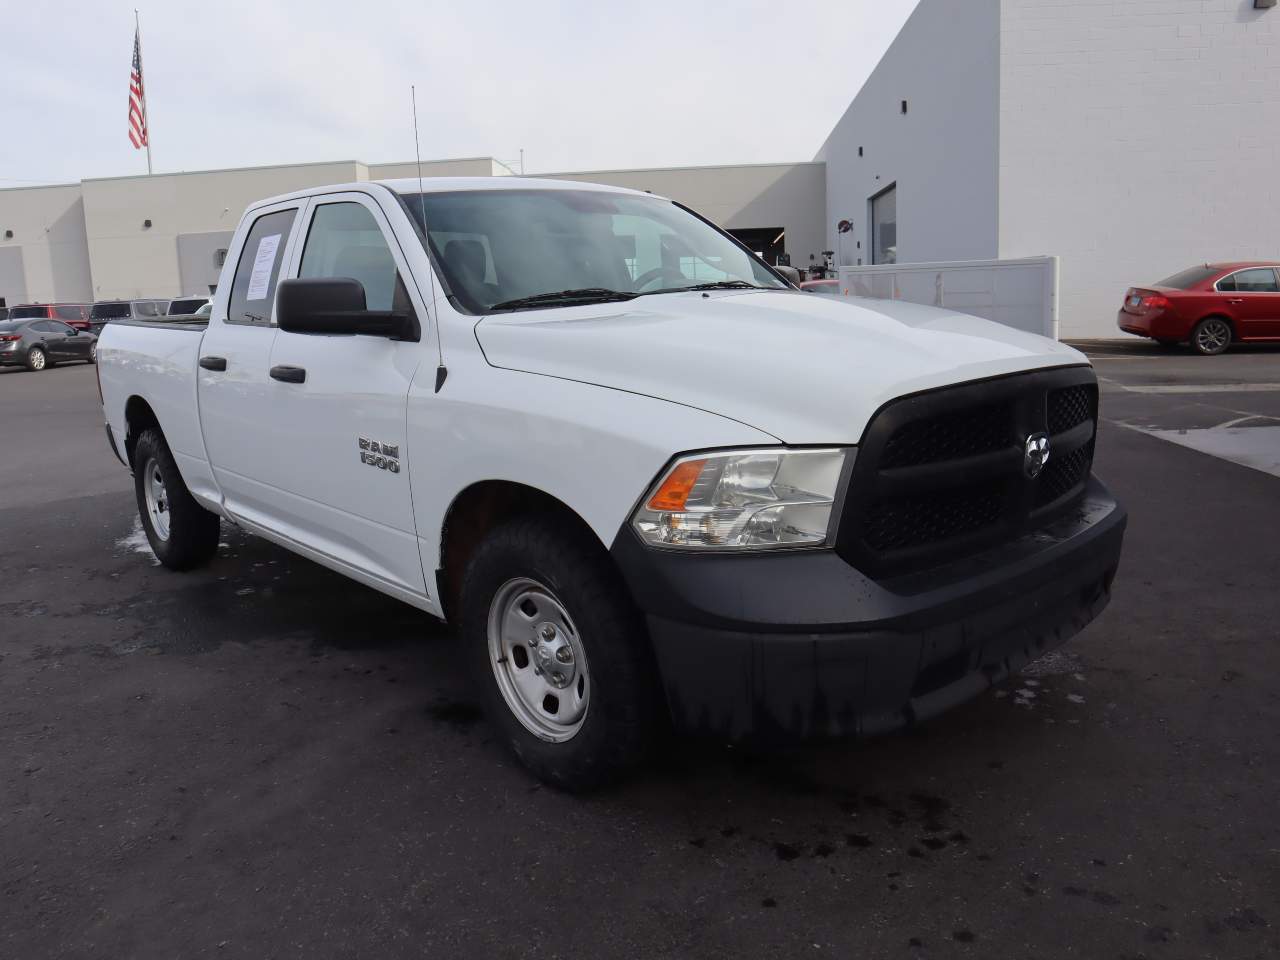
x: 563, y: 297
x: 715, y: 285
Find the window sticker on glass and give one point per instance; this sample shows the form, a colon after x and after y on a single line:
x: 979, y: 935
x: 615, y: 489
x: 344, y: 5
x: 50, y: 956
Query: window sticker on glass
x: 263, y: 261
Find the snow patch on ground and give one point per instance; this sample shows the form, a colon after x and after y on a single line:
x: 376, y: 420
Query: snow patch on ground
x: 137, y: 542
x: 1055, y: 663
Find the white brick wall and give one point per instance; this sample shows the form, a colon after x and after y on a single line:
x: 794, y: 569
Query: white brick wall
x: 1137, y: 137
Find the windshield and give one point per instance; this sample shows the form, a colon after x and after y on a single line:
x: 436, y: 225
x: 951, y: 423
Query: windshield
x: 109, y: 311
x: 27, y: 312
x: 1188, y: 278
x: 498, y: 246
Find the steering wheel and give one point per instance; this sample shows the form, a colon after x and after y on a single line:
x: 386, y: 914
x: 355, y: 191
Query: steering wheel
x: 657, y: 273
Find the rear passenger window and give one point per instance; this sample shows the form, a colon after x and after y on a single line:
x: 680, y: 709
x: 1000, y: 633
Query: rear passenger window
x: 345, y: 241
x: 1256, y: 280
x: 253, y: 290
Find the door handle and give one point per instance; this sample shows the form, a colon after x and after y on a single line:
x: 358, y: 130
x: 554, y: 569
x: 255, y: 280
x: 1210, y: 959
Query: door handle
x: 287, y: 374
x: 213, y: 363
x: 1235, y: 299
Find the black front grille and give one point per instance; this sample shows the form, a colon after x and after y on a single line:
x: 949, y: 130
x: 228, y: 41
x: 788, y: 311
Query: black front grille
x: 943, y: 474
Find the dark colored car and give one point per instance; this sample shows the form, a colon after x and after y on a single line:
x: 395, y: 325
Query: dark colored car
x: 104, y: 311
x: 72, y: 314
x: 39, y: 343
x: 1208, y: 306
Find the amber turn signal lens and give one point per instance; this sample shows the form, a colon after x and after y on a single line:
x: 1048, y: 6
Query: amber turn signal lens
x: 676, y: 488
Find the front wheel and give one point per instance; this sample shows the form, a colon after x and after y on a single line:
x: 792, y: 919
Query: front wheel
x: 1211, y: 336
x: 559, y: 652
x: 182, y: 533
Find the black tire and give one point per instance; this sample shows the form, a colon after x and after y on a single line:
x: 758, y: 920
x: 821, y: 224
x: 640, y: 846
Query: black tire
x: 37, y: 359
x: 1211, y: 336
x: 622, y: 711
x: 191, y: 539
x: 93, y: 353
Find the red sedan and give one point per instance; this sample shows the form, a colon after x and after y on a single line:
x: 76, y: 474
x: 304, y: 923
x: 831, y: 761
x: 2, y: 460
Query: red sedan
x: 1208, y: 306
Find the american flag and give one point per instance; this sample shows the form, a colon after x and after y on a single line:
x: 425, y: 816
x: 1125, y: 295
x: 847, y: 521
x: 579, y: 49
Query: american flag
x: 137, y: 99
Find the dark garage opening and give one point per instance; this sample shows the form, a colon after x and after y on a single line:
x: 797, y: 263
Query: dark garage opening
x: 769, y: 242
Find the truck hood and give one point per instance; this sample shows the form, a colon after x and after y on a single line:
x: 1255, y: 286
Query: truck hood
x: 804, y: 368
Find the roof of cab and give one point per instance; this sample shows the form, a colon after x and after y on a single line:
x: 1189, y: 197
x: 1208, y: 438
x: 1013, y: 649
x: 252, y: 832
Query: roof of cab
x: 449, y: 185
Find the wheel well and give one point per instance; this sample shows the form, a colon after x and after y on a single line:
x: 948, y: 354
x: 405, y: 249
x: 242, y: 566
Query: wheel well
x: 138, y: 417
x: 477, y: 510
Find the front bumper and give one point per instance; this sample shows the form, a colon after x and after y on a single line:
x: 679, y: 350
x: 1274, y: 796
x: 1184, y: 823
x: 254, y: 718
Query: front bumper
x: 801, y: 645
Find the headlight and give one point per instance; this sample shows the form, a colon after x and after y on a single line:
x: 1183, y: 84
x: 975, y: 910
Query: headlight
x: 743, y: 500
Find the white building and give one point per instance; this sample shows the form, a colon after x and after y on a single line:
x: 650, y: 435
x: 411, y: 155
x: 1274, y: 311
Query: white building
x: 1129, y: 138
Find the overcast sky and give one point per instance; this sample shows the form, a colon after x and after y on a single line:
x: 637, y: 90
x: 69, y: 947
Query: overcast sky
x: 579, y: 85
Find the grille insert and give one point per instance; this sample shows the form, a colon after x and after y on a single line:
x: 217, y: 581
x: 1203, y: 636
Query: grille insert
x: 941, y: 475
x: 1070, y: 406
x: 951, y: 436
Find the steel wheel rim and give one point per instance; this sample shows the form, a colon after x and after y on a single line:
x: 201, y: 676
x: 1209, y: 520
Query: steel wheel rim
x: 1213, y: 336
x: 37, y: 359
x: 538, y: 661
x: 157, y: 497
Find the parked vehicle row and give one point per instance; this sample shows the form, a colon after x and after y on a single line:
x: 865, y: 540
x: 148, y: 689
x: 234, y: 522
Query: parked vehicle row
x: 641, y: 471
x: 94, y: 316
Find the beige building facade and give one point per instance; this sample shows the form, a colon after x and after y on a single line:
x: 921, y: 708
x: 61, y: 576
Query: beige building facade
x: 167, y: 234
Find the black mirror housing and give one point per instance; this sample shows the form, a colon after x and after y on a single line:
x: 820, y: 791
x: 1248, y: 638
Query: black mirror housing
x: 336, y: 305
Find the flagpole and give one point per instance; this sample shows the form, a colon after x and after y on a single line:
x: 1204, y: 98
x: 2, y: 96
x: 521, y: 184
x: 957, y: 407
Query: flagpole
x: 146, y: 125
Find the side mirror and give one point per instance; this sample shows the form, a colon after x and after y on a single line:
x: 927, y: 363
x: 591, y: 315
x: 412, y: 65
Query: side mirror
x: 335, y: 305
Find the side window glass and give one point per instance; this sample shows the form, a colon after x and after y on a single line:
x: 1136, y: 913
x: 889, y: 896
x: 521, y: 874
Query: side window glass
x: 1256, y: 280
x: 346, y: 241
x: 1227, y: 283
x: 253, y: 290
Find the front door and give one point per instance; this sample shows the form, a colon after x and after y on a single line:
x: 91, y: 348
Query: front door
x: 234, y: 386
x: 345, y: 404
x: 1253, y: 295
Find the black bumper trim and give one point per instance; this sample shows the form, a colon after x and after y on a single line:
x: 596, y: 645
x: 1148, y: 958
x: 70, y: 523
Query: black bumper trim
x: 802, y: 645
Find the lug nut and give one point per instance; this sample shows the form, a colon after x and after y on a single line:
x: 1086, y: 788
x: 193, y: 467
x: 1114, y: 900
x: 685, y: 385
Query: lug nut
x: 564, y: 654
x: 548, y: 632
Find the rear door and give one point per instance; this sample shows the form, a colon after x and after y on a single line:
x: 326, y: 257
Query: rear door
x: 235, y: 392
x: 51, y: 338
x: 340, y: 403
x: 1253, y: 299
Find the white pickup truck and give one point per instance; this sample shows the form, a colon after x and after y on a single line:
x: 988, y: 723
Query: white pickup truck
x: 649, y: 480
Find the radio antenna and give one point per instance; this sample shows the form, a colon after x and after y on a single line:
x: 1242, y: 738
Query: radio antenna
x: 441, y: 371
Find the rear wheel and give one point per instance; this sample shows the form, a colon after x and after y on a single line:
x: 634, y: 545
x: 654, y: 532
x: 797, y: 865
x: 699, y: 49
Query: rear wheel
x: 93, y: 353
x: 1211, y: 336
x: 182, y: 533
x: 37, y: 359
x: 559, y: 652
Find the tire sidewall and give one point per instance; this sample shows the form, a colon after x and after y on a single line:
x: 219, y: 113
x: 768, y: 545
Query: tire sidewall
x: 193, y: 531
x: 149, y: 448
x: 1195, y: 337
x: 618, y: 709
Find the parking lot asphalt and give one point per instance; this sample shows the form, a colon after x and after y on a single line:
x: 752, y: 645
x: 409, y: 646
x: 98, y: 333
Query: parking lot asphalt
x: 263, y: 759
